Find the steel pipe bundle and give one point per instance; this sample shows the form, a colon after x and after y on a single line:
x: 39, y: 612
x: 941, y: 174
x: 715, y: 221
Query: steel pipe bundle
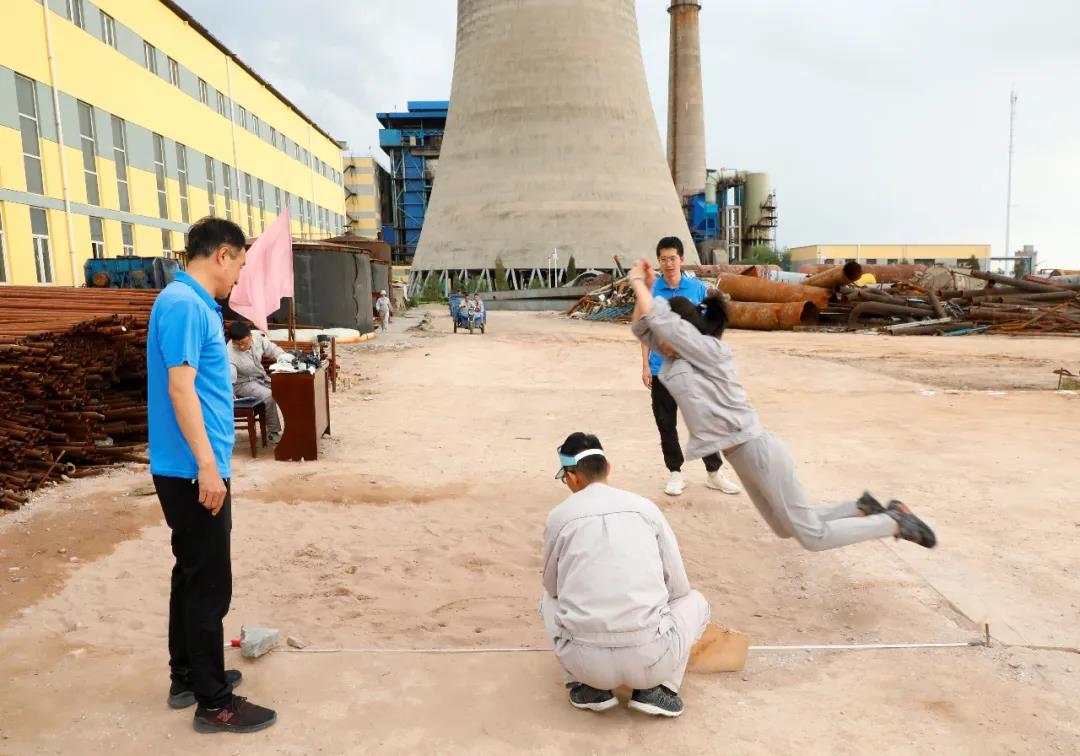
x: 72, y: 382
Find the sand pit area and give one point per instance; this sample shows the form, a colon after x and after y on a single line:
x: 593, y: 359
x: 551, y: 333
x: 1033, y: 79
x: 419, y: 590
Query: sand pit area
x: 420, y: 528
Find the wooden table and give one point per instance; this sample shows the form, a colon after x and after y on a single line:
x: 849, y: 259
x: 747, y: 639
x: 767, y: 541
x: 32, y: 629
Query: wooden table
x: 304, y: 401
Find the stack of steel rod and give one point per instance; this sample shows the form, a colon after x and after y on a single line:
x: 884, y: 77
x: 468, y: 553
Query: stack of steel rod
x: 72, y: 378
x: 1029, y: 305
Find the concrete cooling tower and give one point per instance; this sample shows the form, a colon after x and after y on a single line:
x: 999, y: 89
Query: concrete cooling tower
x: 551, y: 144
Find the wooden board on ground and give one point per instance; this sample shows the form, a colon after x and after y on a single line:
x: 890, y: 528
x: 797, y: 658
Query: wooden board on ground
x: 719, y: 650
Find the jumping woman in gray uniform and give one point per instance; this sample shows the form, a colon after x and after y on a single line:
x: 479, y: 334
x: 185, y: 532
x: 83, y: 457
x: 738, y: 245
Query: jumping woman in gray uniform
x: 699, y: 370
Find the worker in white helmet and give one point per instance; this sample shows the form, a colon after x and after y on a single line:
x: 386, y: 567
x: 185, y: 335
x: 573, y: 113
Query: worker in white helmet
x: 382, y: 305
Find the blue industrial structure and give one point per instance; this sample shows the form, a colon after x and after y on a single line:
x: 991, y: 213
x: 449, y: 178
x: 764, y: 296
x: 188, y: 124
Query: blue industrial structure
x: 413, y: 141
x: 705, y: 218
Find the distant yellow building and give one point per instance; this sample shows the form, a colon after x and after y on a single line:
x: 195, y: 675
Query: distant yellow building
x: 123, y: 121
x: 890, y: 254
x: 363, y: 195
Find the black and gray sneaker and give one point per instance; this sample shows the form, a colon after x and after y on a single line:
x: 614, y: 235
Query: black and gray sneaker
x: 583, y: 696
x: 868, y: 505
x: 182, y: 696
x: 658, y: 701
x: 911, y: 527
x: 239, y: 715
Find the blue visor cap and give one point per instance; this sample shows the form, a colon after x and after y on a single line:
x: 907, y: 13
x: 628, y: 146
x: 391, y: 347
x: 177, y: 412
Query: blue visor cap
x: 566, y: 460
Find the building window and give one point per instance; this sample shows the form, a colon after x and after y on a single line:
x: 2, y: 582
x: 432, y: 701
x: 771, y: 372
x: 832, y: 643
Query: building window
x: 262, y: 206
x: 174, y: 73
x: 871, y: 261
x: 159, y: 173
x: 76, y: 13
x: 127, y: 238
x: 273, y: 136
x: 150, y: 57
x: 39, y: 229
x: 97, y: 238
x: 3, y: 250
x: 226, y: 176
x: 288, y: 205
x: 277, y: 201
x: 248, y: 201
x: 243, y: 117
x: 204, y: 93
x: 119, y: 132
x: 255, y: 124
x: 108, y: 29
x: 220, y: 104
x: 89, y: 153
x: 211, y: 185
x: 26, y: 95
x: 181, y: 175
x: 166, y: 243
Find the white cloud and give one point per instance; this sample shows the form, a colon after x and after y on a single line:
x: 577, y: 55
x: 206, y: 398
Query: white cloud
x: 879, y: 120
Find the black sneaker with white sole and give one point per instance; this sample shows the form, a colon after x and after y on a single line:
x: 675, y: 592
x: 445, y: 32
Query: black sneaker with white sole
x: 584, y: 696
x: 911, y: 527
x: 182, y: 696
x: 868, y: 505
x: 658, y: 701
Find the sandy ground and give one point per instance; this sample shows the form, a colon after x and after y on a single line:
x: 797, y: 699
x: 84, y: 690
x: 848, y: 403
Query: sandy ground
x: 420, y: 528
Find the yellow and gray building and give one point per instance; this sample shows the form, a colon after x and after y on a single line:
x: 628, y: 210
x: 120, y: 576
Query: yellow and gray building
x: 365, y: 180
x: 123, y: 121
x: 891, y: 254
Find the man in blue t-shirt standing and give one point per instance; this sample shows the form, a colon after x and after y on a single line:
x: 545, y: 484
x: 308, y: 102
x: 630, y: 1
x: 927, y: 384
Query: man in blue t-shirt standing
x: 674, y: 283
x: 190, y: 408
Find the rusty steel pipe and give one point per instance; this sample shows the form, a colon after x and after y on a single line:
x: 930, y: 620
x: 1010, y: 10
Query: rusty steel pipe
x: 771, y: 316
x: 747, y: 289
x: 1017, y: 283
x: 936, y: 304
x: 834, y: 278
x: 712, y: 271
x: 882, y: 273
x: 883, y: 308
x: 1044, y: 296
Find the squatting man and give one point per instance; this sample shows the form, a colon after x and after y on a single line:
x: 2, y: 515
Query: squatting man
x: 617, y: 604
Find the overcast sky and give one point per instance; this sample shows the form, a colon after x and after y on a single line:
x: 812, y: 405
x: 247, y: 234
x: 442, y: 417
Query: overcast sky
x: 880, y: 121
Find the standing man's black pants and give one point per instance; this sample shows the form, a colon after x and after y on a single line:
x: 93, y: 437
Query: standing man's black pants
x: 201, y: 588
x: 666, y: 413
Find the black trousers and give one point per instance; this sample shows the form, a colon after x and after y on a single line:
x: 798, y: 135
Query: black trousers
x: 666, y: 413
x: 201, y: 589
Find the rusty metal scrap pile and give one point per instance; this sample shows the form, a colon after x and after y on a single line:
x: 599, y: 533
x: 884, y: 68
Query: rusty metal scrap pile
x: 72, y: 384
x: 905, y: 299
x: 985, y: 302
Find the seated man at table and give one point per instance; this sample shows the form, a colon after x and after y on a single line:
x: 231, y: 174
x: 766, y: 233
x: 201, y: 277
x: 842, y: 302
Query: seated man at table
x: 246, y: 351
x: 617, y: 604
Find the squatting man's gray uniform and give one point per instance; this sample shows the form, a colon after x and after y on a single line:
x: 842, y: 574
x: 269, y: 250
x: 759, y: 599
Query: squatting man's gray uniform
x: 617, y: 605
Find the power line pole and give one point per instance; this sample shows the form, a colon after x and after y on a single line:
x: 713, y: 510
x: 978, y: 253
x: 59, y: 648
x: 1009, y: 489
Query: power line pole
x: 1008, y: 193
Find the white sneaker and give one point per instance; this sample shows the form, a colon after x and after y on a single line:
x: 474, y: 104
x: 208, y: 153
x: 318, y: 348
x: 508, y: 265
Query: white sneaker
x: 720, y: 483
x: 675, y: 485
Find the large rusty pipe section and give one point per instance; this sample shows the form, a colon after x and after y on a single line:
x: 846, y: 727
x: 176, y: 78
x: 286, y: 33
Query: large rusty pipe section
x: 686, y: 101
x: 747, y: 289
x: 712, y: 271
x: 834, y: 278
x: 881, y: 273
x: 765, y: 316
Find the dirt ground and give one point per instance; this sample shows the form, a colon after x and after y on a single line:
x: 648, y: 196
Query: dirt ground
x: 420, y: 528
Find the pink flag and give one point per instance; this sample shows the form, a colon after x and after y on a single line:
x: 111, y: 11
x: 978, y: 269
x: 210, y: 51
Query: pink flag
x: 267, y: 276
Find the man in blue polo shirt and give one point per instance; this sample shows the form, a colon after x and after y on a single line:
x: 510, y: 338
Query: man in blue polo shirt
x: 674, y: 283
x: 190, y: 408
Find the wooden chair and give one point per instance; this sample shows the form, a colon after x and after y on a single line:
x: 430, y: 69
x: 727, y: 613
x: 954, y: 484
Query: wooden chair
x: 249, y: 412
